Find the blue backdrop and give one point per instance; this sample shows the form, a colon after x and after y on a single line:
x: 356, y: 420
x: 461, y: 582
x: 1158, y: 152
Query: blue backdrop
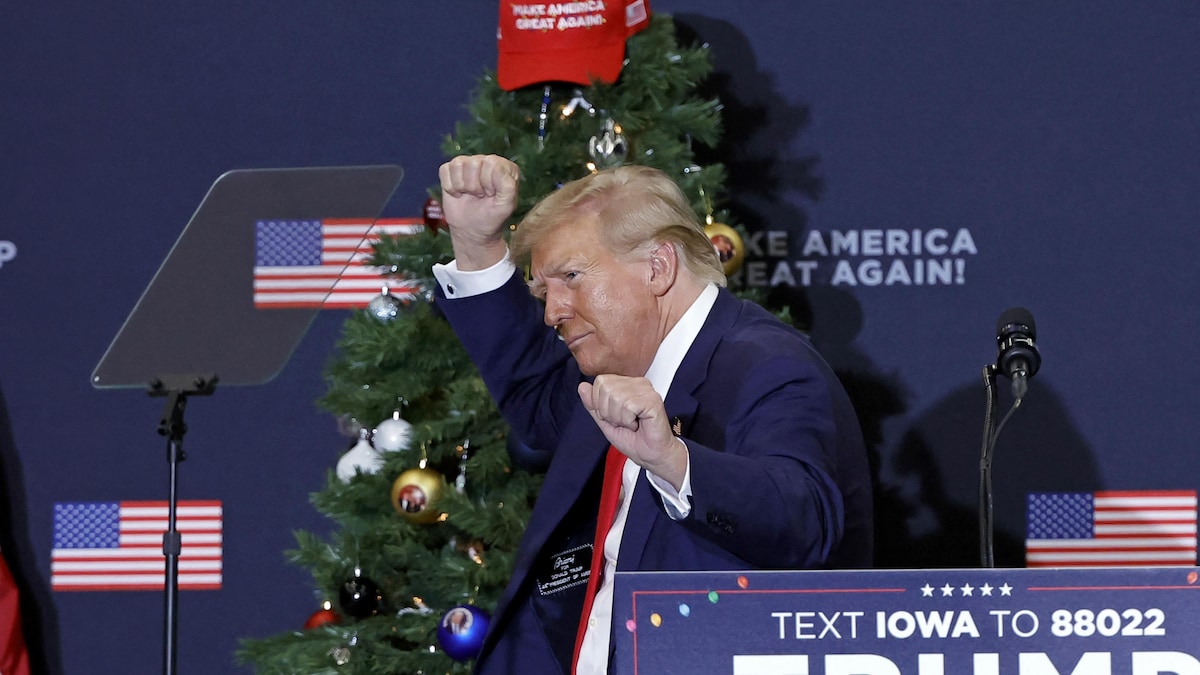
x: 910, y: 170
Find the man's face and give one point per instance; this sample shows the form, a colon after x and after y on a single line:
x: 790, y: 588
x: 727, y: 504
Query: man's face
x: 602, y: 305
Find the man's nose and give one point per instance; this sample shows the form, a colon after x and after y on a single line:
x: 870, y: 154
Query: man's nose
x: 557, y: 309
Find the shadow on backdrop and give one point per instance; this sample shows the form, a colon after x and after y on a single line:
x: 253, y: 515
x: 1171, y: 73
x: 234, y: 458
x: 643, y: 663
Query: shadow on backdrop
x: 1039, y: 450
x: 39, y: 623
x: 757, y: 123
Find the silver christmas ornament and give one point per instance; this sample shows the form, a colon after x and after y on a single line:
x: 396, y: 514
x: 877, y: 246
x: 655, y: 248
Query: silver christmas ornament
x: 610, y: 148
x: 362, y: 458
x: 392, y: 434
x: 385, y: 307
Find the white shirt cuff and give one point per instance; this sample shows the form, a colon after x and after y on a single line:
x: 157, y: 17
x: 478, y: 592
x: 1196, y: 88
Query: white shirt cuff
x: 677, y: 504
x: 457, y: 283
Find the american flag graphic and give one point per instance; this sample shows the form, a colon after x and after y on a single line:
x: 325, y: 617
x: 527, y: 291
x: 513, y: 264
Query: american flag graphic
x: 118, y: 546
x: 321, y: 263
x: 1138, y: 527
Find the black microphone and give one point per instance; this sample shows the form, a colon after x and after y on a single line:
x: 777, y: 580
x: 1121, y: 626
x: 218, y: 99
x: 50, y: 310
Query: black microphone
x: 1019, y: 359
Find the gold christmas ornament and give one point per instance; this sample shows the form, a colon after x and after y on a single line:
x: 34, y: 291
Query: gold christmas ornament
x: 728, y: 245
x: 413, y: 493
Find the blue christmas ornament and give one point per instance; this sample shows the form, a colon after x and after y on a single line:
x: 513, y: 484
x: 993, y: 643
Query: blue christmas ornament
x: 461, y: 631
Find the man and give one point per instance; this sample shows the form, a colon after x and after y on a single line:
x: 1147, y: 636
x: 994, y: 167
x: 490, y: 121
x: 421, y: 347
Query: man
x: 733, y: 445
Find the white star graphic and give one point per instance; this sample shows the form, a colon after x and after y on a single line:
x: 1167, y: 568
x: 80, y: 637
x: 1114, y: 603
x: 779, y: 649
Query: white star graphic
x: 966, y: 589
x: 947, y: 591
x: 927, y: 591
x: 1006, y: 589
x: 985, y: 589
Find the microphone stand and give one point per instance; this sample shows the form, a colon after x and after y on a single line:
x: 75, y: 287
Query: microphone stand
x: 991, y: 431
x: 986, y: 553
x: 176, y: 389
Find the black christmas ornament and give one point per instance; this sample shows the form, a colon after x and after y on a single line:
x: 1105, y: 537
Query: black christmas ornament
x: 461, y: 631
x: 360, y: 597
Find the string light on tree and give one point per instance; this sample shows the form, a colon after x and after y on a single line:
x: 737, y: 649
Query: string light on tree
x: 577, y: 102
x: 542, y: 116
x: 460, y: 482
x: 423, y: 289
x: 472, y: 549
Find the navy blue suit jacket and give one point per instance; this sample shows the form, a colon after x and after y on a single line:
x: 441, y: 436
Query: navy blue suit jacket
x: 778, y: 469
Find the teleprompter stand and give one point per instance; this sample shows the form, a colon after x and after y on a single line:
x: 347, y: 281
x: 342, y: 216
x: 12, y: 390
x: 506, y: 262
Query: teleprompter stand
x: 197, y: 320
x: 176, y: 389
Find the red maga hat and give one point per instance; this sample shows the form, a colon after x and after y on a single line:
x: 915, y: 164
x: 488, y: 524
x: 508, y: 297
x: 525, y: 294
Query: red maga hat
x: 565, y: 41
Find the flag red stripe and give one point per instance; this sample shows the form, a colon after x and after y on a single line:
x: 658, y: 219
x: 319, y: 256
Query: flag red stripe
x: 1108, y: 494
x: 1122, y: 563
x: 139, y: 587
x: 1150, y: 511
x: 1133, y: 535
x: 1098, y: 552
x: 180, y: 504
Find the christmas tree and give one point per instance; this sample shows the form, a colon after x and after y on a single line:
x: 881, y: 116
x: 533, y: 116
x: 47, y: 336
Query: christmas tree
x: 460, y: 487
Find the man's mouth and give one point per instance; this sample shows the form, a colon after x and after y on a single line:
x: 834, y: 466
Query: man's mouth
x: 573, y: 340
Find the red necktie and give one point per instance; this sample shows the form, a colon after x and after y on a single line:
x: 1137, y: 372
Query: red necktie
x: 610, y: 493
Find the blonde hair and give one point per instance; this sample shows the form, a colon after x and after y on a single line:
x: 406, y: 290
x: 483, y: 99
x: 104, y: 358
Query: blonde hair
x: 639, y: 206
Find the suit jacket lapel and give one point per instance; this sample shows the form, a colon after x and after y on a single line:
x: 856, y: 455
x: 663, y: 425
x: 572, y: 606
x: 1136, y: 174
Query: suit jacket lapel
x: 581, y: 453
x: 681, y: 407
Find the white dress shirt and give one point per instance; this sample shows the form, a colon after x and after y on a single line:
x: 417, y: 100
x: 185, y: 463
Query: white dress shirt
x: 593, y: 658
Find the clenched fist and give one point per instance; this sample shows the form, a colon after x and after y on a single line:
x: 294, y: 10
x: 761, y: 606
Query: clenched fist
x: 633, y: 418
x: 479, y: 193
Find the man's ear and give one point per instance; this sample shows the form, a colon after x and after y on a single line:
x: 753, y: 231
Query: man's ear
x: 664, y: 267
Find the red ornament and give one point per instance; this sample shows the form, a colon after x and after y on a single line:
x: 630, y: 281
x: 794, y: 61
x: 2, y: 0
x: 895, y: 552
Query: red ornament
x: 321, y: 617
x: 432, y: 213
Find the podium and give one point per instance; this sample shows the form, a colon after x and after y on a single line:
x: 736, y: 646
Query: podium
x: 1086, y: 621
